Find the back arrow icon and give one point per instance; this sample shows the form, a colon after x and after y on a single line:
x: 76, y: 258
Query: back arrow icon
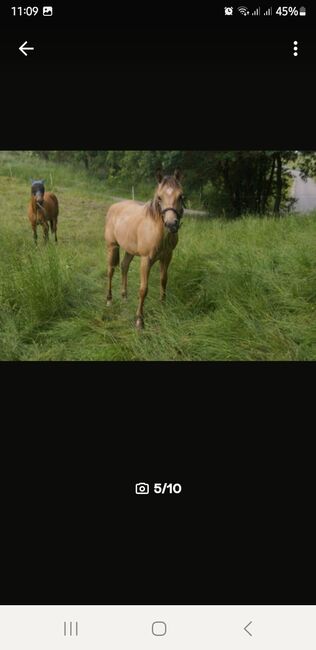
x: 22, y: 48
x: 245, y: 628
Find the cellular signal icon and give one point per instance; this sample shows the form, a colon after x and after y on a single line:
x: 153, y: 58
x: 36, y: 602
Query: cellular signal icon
x: 256, y: 12
x: 243, y: 11
x: 268, y: 12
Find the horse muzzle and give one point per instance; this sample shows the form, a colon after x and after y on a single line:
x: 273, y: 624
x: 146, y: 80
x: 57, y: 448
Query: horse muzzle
x: 173, y: 227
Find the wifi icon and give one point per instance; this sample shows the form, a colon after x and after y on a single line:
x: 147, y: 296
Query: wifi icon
x: 243, y: 10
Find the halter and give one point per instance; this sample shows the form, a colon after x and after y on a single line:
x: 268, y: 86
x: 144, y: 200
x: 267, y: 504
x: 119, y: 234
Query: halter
x: 173, y: 210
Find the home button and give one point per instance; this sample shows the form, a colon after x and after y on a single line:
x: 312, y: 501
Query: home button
x: 159, y: 628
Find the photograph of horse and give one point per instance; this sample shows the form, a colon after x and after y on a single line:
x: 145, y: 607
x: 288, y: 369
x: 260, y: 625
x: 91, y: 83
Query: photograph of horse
x: 43, y: 210
x: 149, y: 231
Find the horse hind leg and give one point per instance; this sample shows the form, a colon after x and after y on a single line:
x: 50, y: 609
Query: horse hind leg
x: 53, y: 228
x: 124, y: 268
x: 113, y: 261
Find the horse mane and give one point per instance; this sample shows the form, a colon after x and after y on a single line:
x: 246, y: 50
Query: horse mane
x: 152, y: 207
x: 33, y: 200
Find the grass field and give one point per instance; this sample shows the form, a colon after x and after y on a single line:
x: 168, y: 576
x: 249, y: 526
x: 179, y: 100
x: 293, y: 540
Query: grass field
x: 243, y: 290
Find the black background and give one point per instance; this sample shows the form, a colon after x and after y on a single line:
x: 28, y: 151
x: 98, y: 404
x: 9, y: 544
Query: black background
x: 236, y: 436
x: 73, y: 530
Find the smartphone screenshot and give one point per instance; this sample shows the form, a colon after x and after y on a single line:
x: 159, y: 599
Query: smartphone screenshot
x: 157, y: 291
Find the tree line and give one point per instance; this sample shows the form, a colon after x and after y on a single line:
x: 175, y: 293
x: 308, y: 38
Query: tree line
x: 227, y: 183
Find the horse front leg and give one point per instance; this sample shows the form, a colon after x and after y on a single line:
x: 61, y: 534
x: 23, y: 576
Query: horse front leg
x: 34, y: 228
x: 164, y: 263
x: 145, y: 266
x: 124, y: 268
x: 45, y: 232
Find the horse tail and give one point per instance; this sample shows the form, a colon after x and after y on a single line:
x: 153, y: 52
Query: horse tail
x: 55, y: 200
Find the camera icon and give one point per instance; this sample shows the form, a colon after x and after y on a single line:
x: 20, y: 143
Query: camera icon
x: 142, y: 488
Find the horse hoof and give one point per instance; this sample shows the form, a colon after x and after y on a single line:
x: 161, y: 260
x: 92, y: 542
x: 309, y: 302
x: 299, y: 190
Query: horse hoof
x: 139, y: 323
x: 108, y: 303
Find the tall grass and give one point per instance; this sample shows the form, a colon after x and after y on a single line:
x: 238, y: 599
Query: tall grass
x: 243, y: 290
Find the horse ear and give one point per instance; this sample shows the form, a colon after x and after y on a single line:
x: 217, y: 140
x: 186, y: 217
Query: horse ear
x: 159, y: 175
x: 178, y: 174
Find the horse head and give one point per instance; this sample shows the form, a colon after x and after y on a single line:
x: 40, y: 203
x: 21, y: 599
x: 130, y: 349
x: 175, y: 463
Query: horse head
x: 38, y: 190
x: 169, y: 199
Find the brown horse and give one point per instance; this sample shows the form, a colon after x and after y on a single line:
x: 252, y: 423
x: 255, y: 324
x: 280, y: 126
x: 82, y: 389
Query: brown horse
x: 149, y: 231
x: 43, y: 210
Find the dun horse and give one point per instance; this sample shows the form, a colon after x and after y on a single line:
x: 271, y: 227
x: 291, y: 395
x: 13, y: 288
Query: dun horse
x: 43, y: 210
x: 149, y: 231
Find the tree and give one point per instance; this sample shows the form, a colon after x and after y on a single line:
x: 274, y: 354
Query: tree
x: 229, y: 182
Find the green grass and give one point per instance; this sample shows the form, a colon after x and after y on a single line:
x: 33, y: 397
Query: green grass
x: 243, y: 290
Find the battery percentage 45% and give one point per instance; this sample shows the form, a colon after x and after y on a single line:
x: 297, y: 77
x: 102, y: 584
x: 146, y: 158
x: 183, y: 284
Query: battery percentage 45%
x: 287, y: 11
